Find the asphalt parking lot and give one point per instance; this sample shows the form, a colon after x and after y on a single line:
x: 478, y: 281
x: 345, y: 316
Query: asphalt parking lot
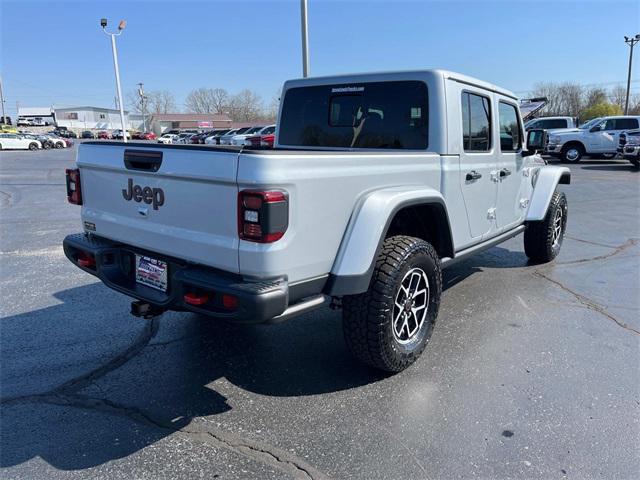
x: 532, y: 371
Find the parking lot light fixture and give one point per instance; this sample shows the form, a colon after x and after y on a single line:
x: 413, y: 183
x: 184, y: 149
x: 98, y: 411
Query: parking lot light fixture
x: 631, y: 42
x: 121, y: 27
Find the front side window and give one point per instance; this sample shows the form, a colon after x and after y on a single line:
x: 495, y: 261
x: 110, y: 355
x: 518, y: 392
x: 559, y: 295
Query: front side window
x: 476, y: 123
x: 360, y: 115
x: 510, y: 131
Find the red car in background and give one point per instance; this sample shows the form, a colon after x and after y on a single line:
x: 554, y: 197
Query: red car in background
x: 143, y: 136
x: 261, y: 140
x: 103, y: 135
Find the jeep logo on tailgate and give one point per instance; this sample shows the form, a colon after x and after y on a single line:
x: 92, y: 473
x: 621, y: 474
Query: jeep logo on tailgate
x: 147, y: 195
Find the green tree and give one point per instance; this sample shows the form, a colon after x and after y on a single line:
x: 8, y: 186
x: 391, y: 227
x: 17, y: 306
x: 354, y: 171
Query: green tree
x: 601, y: 109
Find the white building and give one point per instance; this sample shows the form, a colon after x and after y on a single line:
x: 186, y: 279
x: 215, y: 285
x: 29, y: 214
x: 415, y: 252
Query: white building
x: 90, y: 118
x: 35, y: 116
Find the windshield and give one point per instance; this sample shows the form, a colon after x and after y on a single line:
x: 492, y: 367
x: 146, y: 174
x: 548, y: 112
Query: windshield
x: 590, y: 123
x: 254, y: 130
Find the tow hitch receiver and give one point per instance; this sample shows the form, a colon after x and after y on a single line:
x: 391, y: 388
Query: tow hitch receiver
x: 145, y: 310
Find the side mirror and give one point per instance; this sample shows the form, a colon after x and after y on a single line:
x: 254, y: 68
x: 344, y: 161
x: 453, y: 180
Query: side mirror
x: 597, y: 128
x: 536, y: 141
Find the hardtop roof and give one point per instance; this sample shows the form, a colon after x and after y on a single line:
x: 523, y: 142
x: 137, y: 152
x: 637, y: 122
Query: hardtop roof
x: 397, y: 75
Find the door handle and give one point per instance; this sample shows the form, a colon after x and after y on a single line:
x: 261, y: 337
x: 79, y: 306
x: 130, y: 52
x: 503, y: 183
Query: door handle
x: 473, y: 175
x: 505, y: 172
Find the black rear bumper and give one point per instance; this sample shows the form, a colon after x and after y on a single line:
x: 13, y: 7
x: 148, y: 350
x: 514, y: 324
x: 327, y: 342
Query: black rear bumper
x: 257, y: 301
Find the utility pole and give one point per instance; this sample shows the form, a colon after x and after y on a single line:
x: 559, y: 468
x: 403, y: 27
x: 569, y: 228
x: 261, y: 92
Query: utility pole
x: 4, y: 119
x: 121, y: 25
x: 631, y: 42
x: 305, y: 38
x: 142, y: 105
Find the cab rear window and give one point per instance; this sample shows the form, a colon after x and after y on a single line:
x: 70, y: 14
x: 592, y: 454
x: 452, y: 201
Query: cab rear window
x: 391, y: 115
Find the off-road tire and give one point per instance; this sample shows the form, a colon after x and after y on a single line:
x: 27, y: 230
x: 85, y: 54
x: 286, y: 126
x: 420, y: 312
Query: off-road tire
x: 368, y: 317
x: 540, y: 242
x: 33, y: 146
x: 566, y: 154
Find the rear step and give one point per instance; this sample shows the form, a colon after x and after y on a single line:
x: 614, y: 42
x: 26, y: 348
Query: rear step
x: 304, y: 306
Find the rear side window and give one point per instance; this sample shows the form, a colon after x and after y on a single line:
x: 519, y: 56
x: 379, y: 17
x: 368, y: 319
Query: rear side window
x: 555, y: 123
x: 476, y: 123
x: 625, y: 123
x: 361, y: 115
x: 510, y: 131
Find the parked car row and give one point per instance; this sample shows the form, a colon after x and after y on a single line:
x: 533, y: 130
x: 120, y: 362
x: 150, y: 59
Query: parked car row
x: 32, y: 141
x: 257, y: 136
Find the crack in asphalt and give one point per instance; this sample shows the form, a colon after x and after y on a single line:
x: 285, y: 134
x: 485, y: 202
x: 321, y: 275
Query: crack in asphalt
x: 252, y: 449
x: 588, y: 303
x: 598, y: 244
x: 78, y: 383
x: 616, y: 251
x: 67, y: 395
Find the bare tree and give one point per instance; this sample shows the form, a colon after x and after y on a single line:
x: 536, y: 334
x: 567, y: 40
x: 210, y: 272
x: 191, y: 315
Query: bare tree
x: 132, y: 100
x: 595, y: 96
x: 618, y: 95
x: 272, y: 109
x: 246, y: 106
x: 200, y: 100
x: 550, y: 91
x: 220, y: 100
x: 161, y: 101
x: 570, y: 98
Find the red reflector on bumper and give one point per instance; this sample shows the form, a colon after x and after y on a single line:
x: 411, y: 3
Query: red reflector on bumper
x: 194, y: 299
x: 229, y: 302
x: 85, y: 260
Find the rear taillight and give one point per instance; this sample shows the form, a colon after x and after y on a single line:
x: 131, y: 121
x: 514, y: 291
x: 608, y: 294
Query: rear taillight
x: 74, y: 191
x: 267, y: 140
x: 263, y: 217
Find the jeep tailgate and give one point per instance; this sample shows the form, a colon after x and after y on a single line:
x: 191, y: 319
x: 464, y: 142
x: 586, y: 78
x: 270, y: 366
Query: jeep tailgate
x: 174, y: 201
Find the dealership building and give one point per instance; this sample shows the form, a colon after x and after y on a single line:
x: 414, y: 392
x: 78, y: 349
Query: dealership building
x: 161, y: 122
x: 79, y: 118
x: 89, y: 118
x: 98, y: 118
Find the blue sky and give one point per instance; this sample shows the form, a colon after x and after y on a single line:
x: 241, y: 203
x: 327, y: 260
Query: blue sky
x: 54, y: 52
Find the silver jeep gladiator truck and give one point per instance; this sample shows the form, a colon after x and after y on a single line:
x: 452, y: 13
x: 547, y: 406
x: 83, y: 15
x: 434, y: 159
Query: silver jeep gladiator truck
x: 376, y: 183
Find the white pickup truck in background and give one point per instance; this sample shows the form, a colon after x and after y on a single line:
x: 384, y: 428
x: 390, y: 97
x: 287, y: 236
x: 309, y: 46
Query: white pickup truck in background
x: 598, y: 137
x: 376, y: 183
x: 550, y: 123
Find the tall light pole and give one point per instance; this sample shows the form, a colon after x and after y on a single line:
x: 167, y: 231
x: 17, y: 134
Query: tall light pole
x: 4, y: 119
x: 631, y: 42
x: 305, y: 38
x: 121, y: 25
